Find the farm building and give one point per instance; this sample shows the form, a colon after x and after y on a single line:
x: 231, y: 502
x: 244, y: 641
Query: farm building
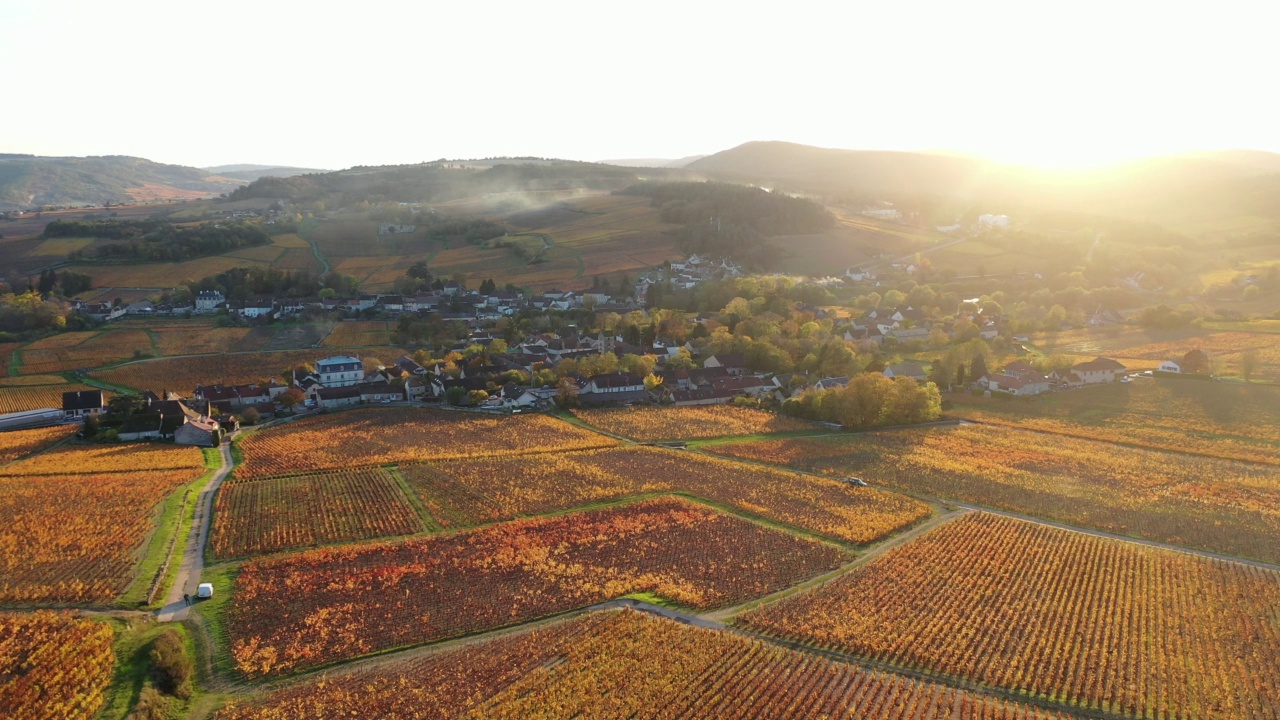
x: 1098, y: 370
x: 82, y: 403
x: 204, y: 433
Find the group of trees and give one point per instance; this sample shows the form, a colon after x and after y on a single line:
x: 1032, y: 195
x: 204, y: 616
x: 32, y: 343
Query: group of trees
x: 28, y: 311
x: 65, y: 283
x: 869, y: 400
x: 158, y: 240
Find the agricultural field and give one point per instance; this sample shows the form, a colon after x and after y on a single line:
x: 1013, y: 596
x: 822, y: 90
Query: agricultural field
x: 1226, y: 420
x: 73, y: 520
x: 1095, y: 622
x: 197, y: 341
x: 1140, y: 348
x: 77, y: 350
x: 1220, y: 505
x: 690, y: 422
x: 18, y: 443
x: 353, y: 600
x: 623, y: 664
x: 385, y: 436
x: 486, y: 489
x: 262, y: 516
x: 34, y: 397
x: 53, y: 666
x: 357, y: 333
x: 184, y: 374
x: 76, y: 538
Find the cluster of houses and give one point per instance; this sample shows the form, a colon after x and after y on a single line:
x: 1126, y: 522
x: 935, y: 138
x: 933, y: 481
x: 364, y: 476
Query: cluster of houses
x: 1019, y: 378
x: 686, y: 274
x: 452, y: 302
x: 184, y: 421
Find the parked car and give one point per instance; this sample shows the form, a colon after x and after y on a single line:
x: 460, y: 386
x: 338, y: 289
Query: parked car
x: 856, y: 481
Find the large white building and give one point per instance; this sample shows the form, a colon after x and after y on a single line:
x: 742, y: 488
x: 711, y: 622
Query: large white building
x: 340, y: 371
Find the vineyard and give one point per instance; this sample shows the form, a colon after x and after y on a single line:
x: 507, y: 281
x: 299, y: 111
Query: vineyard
x: 36, y: 397
x: 18, y: 443
x: 1112, y: 626
x: 76, y: 350
x: 72, y: 520
x: 128, y: 457
x: 331, y: 604
x: 184, y: 374
x: 1228, y: 507
x: 689, y: 422
x: 486, y: 489
x: 196, y: 341
x: 389, y: 435
x: 53, y: 666
x: 263, y: 516
x: 623, y: 665
x: 1234, y: 422
x: 358, y: 333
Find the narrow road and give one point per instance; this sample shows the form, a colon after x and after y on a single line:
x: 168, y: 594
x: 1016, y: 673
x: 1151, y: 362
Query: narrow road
x: 193, y: 554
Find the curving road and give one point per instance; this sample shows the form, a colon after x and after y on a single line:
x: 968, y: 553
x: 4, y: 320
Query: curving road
x: 192, y: 564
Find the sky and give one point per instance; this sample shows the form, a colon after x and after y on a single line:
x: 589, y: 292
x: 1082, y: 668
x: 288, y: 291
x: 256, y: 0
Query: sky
x: 331, y: 85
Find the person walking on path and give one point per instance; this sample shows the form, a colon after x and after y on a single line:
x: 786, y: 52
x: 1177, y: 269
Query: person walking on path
x: 186, y: 598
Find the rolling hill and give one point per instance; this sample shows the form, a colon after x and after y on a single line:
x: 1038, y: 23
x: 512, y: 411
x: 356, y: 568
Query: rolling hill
x: 250, y: 172
x: 29, y: 181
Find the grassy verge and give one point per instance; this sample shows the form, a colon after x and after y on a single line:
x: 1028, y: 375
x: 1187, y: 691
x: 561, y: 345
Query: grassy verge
x: 213, y: 644
x: 428, y: 522
x: 133, y: 666
x: 175, y: 518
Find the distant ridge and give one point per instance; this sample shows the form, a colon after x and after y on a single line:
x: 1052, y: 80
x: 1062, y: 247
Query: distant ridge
x: 29, y: 181
x: 655, y: 162
x: 249, y: 172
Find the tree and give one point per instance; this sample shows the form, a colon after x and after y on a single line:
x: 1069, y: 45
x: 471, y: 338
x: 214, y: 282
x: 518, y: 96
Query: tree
x: 477, y: 397
x: 250, y: 416
x: 455, y: 395
x: 291, y: 397
x: 960, y: 377
x: 652, y: 382
x: 567, y: 393
x: 1195, y: 362
x: 1251, y: 293
x: 978, y: 367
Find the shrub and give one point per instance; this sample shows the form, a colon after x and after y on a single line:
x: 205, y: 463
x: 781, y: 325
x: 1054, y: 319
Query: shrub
x: 171, y: 669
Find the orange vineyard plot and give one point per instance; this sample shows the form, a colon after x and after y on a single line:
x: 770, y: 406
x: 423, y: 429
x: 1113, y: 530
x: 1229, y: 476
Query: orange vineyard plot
x: 390, y: 435
x: 53, y: 666
x: 1109, y: 625
x: 1226, y: 420
x: 197, y: 341
x: 332, y: 604
x: 184, y: 374
x: 17, y: 443
x: 129, y: 457
x: 1228, y: 507
x: 485, y: 489
x: 36, y: 397
x: 355, y: 333
x: 73, y: 538
x: 624, y: 665
x: 689, y: 422
x: 262, y: 516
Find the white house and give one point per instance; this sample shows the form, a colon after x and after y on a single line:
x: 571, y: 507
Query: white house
x: 1098, y: 370
x: 993, y: 221
x: 340, y: 371
x: 209, y: 300
x: 1170, y: 366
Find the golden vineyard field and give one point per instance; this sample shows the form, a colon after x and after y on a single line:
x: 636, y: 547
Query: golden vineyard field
x: 262, y: 516
x: 1095, y: 622
x: 346, y: 602
x: 357, y: 333
x: 73, y: 520
x: 486, y: 489
x: 184, y: 374
x: 17, y: 443
x: 689, y: 422
x: 623, y: 664
x: 1224, y: 506
x: 53, y: 666
x: 390, y: 435
x: 80, y: 350
x: 1227, y: 420
x: 36, y: 397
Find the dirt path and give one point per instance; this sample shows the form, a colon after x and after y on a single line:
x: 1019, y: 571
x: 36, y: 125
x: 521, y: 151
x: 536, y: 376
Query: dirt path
x: 192, y: 565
